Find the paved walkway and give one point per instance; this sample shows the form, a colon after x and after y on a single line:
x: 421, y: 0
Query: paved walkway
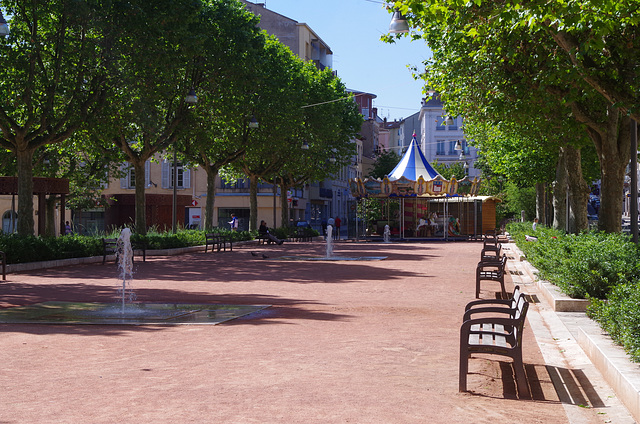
x: 344, y: 342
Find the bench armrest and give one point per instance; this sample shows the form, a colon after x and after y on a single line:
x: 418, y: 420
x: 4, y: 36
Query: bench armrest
x: 493, y: 310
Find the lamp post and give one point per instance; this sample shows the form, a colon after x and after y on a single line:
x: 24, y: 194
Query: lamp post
x: 190, y: 99
x: 634, y: 181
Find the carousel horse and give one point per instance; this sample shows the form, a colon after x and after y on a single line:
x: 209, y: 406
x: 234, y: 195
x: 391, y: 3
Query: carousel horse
x: 454, y: 226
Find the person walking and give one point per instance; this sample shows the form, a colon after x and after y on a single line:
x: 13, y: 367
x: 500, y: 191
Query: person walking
x: 234, y: 222
x: 338, y: 222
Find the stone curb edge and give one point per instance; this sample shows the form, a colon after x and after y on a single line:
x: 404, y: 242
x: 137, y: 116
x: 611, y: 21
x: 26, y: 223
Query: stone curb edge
x: 609, y: 359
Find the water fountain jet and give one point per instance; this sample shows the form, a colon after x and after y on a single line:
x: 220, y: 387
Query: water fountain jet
x: 329, y: 247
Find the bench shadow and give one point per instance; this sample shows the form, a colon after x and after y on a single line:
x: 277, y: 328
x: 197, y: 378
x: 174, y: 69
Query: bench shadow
x: 569, y: 386
x: 573, y: 387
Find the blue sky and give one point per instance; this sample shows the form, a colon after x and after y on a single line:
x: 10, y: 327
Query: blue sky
x: 352, y: 28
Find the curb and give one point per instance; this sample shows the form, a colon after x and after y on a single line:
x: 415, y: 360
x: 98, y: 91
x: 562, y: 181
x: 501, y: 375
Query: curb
x: 622, y: 375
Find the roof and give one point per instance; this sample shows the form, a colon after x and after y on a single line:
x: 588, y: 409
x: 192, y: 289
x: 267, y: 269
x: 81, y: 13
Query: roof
x: 413, y: 165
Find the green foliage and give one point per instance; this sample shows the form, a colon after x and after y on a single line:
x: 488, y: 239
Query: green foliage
x: 455, y: 169
x: 385, y: 163
x: 285, y: 232
x: 587, y: 265
x: 619, y: 315
x: 33, y: 249
x: 518, y: 199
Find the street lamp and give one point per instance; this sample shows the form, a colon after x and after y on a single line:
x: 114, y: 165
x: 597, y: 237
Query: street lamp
x: 4, y: 27
x: 191, y: 98
x: 449, y: 120
x: 398, y: 24
x: 253, y: 123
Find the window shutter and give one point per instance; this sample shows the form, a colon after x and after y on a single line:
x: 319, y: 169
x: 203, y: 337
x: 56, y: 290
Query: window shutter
x: 147, y: 173
x: 186, y: 177
x: 165, y: 174
x: 124, y: 181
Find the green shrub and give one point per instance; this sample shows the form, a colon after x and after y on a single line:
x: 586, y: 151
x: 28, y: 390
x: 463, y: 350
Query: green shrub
x: 586, y: 265
x: 33, y: 249
x: 620, y: 317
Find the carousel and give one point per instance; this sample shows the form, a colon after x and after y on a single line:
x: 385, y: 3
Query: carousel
x: 416, y: 202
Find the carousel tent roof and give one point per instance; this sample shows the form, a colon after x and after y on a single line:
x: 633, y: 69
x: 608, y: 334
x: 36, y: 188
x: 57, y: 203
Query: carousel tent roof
x: 413, y: 165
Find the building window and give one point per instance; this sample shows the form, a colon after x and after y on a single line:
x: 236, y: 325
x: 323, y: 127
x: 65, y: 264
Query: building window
x: 129, y: 180
x: 452, y: 147
x: 440, y: 148
x: 238, y: 184
x: 182, y: 179
x: 455, y: 124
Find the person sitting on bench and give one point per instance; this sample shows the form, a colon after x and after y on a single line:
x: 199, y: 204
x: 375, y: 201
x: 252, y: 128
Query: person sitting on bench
x: 264, y: 231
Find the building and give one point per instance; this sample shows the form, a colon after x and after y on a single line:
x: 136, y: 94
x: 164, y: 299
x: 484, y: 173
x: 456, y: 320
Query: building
x: 438, y: 141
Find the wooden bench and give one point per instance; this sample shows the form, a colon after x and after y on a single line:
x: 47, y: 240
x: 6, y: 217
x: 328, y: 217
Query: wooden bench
x: 493, y: 305
x: 110, y: 247
x: 264, y: 239
x: 499, y: 332
x: 490, y: 253
x: 217, y: 241
x: 300, y: 235
x: 491, y: 270
x: 491, y: 247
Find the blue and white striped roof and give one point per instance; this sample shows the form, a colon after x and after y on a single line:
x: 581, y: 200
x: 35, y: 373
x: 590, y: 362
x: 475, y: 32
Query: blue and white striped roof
x: 413, y: 165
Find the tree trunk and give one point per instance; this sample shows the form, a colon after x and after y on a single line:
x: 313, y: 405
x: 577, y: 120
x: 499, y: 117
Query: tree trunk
x: 540, y: 203
x: 26, y: 223
x: 560, y: 193
x: 141, y: 201
x: 614, y: 153
x: 284, y: 205
x: 212, y: 174
x: 578, y: 189
x: 50, y: 217
x: 253, y: 203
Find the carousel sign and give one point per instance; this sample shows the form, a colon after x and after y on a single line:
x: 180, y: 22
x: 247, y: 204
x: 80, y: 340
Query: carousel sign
x: 404, y: 187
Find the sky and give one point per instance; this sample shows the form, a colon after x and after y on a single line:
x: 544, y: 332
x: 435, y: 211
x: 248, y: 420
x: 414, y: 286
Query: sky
x: 352, y: 29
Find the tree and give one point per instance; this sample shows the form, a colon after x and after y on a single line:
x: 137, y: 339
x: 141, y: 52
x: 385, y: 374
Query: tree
x: 147, y: 111
x: 331, y: 119
x: 496, y: 44
x: 455, y: 169
x: 277, y: 104
x: 385, y: 163
x: 56, y: 65
x: 216, y: 132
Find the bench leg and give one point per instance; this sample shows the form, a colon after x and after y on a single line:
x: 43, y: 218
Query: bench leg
x: 463, y: 369
x: 504, y: 292
x: 477, y: 284
x: 521, y: 379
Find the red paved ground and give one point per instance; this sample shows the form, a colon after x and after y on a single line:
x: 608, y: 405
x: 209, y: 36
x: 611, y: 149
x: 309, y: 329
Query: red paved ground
x: 345, y: 342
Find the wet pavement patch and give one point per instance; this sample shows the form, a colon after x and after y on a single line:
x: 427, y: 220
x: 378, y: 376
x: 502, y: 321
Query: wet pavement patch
x: 132, y: 314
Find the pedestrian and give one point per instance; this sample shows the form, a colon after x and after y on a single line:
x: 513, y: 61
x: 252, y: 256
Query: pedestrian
x: 263, y: 230
x: 535, y: 223
x: 338, y: 221
x: 67, y: 228
x: 234, y: 222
